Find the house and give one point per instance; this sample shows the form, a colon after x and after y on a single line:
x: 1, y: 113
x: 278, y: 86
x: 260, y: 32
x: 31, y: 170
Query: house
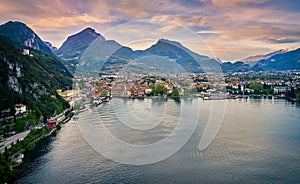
x: 51, y: 124
x: 148, y: 91
x: 20, y: 109
x: 141, y: 94
x: 281, y: 89
x: 25, y: 52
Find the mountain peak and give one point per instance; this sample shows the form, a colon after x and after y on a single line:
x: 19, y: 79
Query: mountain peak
x: 21, y: 34
x: 88, y: 29
x: 76, y: 44
x: 164, y: 40
x: 15, y: 23
x: 87, y: 33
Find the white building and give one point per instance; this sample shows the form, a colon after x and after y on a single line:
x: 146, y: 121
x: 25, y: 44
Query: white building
x: 25, y: 52
x: 281, y: 89
x: 20, y: 109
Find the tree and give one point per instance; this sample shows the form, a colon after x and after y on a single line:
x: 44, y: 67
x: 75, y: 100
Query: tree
x: 175, y: 92
x: 104, y: 93
x: 258, y: 87
x: 159, y: 89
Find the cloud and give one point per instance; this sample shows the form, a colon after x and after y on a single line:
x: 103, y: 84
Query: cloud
x: 232, y: 3
x: 282, y: 40
x: 169, y: 29
x: 61, y: 22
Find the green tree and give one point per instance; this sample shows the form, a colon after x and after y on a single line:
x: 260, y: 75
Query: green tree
x: 175, y: 92
x: 258, y: 87
x: 159, y: 89
x: 104, y: 93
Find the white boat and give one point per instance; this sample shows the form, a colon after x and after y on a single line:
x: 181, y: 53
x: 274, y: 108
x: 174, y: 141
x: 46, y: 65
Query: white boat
x: 97, y: 102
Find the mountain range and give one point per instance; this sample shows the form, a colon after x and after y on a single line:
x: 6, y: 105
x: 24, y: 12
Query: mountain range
x: 109, y: 54
x: 88, y: 52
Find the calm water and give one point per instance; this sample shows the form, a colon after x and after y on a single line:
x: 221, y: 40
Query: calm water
x: 259, y: 142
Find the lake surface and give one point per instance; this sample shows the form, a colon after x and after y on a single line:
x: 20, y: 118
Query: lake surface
x: 258, y: 142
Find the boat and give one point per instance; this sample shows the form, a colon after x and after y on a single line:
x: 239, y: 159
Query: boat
x: 232, y: 97
x: 97, y: 102
x: 219, y: 96
x: 206, y: 98
x: 105, y: 99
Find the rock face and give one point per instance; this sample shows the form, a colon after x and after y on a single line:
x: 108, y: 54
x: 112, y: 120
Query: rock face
x: 22, y: 35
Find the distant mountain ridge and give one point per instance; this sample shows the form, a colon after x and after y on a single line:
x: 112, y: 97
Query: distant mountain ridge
x: 284, y: 61
x: 263, y: 56
x: 235, y: 67
x: 163, y: 56
x: 98, y: 53
x: 22, y: 35
x: 51, y: 47
x: 112, y: 55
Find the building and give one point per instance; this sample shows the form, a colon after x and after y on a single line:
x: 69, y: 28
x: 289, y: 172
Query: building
x: 148, y: 91
x: 25, y: 52
x: 51, y: 124
x: 20, y: 109
x: 67, y: 93
x: 281, y: 89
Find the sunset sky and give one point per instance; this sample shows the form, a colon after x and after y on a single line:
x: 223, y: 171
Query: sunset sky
x: 232, y: 29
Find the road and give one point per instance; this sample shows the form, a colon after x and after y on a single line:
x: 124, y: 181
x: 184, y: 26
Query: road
x: 13, y: 139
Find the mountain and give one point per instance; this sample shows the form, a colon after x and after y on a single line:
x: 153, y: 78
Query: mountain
x: 252, y: 60
x: 282, y: 61
x: 165, y: 56
x: 72, y: 49
x: 176, y: 52
x: 51, y: 47
x: 23, y: 36
x: 185, y: 58
x: 103, y: 55
x: 235, y: 67
x: 87, y: 53
x: 32, y: 79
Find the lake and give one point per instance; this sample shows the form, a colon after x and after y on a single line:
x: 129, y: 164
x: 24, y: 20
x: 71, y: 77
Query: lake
x: 258, y: 142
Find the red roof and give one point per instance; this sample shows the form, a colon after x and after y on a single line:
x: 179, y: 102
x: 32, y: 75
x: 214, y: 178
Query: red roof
x: 20, y: 105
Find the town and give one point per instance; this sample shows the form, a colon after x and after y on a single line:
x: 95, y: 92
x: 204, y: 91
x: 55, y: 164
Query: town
x: 208, y: 86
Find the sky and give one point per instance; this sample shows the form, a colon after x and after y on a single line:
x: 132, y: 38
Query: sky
x: 228, y: 29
